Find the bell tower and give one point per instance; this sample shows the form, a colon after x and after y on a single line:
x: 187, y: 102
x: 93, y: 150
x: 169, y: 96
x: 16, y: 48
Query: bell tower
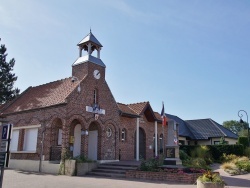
x: 88, y: 44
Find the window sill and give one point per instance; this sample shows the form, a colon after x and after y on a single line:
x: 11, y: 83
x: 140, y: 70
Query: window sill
x: 23, y: 152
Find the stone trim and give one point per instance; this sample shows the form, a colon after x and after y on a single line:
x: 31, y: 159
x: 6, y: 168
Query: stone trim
x: 27, y: 127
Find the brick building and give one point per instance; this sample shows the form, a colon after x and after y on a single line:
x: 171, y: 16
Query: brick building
x: 79, y: 116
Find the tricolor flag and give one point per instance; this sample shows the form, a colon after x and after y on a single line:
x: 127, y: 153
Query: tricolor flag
x: 163, y: 116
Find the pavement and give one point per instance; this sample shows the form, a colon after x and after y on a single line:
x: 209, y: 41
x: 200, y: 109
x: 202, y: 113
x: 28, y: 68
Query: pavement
x: 20, y: 179
x: 238, y: 181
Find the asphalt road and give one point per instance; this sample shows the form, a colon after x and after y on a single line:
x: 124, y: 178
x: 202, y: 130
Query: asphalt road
x: 20, y: 179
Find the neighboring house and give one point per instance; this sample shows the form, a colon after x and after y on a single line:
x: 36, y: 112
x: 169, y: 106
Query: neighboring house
x: 202, y: 132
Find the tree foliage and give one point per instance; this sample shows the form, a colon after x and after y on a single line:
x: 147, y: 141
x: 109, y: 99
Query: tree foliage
x: 236, y: 127
x: 7, y: 78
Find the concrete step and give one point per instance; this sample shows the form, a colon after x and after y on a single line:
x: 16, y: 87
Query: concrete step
x: 109, y: 171
x: 117, y: 167
x: 104, y: 174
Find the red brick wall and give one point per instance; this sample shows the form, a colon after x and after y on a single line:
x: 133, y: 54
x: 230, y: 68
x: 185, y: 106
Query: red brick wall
x: 74, y: 112
x: 164, y: 176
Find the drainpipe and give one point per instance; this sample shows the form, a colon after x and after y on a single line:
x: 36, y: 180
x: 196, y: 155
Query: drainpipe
x: 137, y: 139
x: 156, y: 146
x: 41, y: 154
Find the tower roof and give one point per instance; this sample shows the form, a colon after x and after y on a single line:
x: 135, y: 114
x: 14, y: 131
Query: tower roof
x: 89, y: 38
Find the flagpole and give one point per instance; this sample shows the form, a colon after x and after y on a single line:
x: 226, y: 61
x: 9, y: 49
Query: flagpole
x: 163, y: 114
x: 163, y: 142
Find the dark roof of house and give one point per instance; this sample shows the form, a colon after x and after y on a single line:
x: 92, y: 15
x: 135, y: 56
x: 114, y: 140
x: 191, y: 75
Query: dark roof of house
x: 183, y: 127
x: 50, y: 94
x: 201, y: 129
x: 207, y: 128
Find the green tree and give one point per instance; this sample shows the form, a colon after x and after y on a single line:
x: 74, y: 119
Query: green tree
x: 7, y: 78
x: 222, y: 141
x: 236, y: 127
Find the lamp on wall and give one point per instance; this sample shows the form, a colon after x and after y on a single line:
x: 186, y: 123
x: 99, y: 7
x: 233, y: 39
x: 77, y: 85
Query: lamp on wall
x: 84, y: 132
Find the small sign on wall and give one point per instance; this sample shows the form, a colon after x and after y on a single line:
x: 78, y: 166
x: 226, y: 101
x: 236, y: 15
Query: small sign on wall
x: 5, y: 132
x: 3, y: 146
x: 71, y: 139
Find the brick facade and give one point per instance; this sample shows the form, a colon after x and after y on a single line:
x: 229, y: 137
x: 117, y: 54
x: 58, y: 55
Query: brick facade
x: 68, y: 112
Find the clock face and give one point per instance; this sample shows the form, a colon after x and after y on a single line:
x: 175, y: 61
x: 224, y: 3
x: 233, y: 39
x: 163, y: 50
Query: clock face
x: 97, y: 74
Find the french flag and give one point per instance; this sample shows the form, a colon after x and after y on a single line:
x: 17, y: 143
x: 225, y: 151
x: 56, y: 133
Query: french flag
x: 163, y: 116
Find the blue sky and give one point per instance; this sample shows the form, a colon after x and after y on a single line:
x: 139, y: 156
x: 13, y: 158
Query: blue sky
x: 193, y: 55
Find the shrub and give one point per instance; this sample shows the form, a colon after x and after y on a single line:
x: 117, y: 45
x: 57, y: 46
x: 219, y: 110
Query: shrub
x: 216, y: 151
x: 227, y: 158
x: 243, y: 165
x: 244, y: 141
x: 151, y: 164
x: 211, y: 177
x: 183, y: 155
x: 236, y: 165
x: 82, y: 159
x: 247, y: 152
x: 202, y: 152
x: 196, y: 163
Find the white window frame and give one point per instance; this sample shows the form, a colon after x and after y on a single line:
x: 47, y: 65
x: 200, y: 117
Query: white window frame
x: 25, y: 128
x: 30, y: 140
x: 14, y: 140
x: 123, y: 136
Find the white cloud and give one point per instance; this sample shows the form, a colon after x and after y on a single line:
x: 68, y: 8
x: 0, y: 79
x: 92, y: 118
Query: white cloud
x: 21, y: 14
x: 136, y: 13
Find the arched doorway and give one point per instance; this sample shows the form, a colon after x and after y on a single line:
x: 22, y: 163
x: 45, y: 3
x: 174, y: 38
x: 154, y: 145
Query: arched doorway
x: 93, y: 141
x: 142, y: 144
x: 77, y: 141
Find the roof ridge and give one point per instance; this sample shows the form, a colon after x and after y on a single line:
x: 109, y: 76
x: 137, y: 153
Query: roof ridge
x: 121, y: 103
x: 198, y: 119
x: 213, y: 122
x: 51, y: 82
x: 139, y: 103
x: 14, y: 100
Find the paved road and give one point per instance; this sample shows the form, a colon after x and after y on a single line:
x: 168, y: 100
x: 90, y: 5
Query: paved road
x: 241, y: 181
x: 20, y: 179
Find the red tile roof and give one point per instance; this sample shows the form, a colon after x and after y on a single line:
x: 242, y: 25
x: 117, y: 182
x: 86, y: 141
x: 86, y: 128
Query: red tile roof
x: 46, y: 95
x: 126, y: 110
x: 158, y: 116
x: 138, y: 108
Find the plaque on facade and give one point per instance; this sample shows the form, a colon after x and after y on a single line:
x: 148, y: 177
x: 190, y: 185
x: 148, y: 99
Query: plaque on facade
x: 170, y: 152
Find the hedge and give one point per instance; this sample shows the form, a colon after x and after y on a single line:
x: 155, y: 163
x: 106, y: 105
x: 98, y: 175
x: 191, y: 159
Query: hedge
x: 217, y: 150
x: 244, y: 141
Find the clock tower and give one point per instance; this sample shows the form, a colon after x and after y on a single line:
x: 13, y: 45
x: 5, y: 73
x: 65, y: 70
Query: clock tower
x: 88, y: 64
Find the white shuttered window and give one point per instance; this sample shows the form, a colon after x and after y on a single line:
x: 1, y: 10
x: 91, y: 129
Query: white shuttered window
x: 14, y: 140
x: 30, y: 139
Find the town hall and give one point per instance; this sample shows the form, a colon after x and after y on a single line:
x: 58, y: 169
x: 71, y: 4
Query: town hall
x: 79, y: 116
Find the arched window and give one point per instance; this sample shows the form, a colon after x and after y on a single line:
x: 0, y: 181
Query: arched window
x: 123, y: 134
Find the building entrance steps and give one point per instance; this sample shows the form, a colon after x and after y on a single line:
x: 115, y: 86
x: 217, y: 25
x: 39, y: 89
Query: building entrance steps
x: 114, y: 169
